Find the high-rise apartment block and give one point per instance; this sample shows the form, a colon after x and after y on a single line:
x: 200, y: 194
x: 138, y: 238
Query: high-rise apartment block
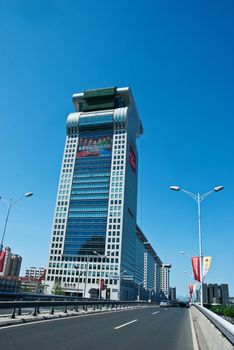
x: 215, y: 294
x: 172, y: 293
x: 95, y: 240
x: 165, y: 279
x: 12, y: 263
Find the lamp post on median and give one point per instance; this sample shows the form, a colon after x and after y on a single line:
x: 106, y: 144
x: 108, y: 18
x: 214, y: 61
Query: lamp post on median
x: 199, y: 198
x: 188, y: 279
x: 100, y: 284
x: 150, y: 294
x: 120, y: 278
x: 86, y: 273
x: 80, y: 273
x: 139, y: 285
x: 9, y: 204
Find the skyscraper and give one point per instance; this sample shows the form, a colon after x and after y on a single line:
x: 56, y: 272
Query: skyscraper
x: 165, y: 278
x: 12, y: 263
x: 95, y: 237
x: 216, y: 294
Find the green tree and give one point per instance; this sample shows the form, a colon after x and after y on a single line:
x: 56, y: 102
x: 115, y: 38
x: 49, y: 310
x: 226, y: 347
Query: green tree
x: 223, y: 310
x: 57, y: 289
x: 25, y: 289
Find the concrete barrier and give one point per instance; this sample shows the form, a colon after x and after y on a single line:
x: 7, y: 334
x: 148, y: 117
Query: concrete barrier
x: 211, y: 331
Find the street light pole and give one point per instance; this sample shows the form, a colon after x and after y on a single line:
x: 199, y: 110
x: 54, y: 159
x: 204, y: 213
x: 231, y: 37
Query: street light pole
x: 80, y: 273
x: 139, y: 284
x: 185, y: 272
x: 9, y: 204
x: 199, y: 198
x: 86, y: 274
x: 200, y: 243
x: 100, y: 284
x: 5, y: 226
x: 120, y: 277
x: 150, y: 293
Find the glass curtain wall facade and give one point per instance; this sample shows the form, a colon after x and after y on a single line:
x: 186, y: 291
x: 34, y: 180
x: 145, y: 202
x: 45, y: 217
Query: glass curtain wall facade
x: 96, y: 248
x: 87, y: 214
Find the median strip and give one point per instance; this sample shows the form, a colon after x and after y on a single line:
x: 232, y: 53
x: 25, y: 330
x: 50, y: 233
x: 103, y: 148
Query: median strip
x: 125, y: 324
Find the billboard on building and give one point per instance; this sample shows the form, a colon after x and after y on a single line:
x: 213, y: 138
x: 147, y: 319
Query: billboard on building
x: 132, y: 158
x: 2, y: 259
x: 94, y: 145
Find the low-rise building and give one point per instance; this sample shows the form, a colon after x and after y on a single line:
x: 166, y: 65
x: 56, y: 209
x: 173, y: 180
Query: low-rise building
x: 31, y: 285
x: 36, y: 272
x: 9, y: 284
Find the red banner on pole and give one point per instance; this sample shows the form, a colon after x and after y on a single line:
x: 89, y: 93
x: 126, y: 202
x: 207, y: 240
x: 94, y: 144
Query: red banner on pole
x: 2, y: 259
x: 196, y: 268
x: 190, y: 289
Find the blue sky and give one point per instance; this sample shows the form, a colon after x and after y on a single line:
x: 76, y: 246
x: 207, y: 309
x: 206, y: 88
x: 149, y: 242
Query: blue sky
x: 177, y: 56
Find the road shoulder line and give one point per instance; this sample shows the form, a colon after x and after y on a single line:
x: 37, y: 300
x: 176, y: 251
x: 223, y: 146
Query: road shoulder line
x: 194, y: 337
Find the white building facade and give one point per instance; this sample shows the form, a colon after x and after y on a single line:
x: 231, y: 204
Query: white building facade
x: 35, y: 272
x: 165, y: 279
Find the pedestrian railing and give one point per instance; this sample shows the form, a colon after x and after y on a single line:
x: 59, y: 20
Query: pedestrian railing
x: 17, y: 307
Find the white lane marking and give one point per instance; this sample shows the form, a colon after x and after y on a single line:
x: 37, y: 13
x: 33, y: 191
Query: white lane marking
x: 156, y: 312
x: 125, y: 324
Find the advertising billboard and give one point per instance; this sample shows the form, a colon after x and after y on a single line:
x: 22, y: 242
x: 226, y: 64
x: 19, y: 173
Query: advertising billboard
x: 94, y: 145
x: 132, y: 158
x: 2, y: 259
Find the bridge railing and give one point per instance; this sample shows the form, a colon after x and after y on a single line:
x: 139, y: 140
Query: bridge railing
x: 225, y: 327
x: 18, y: 306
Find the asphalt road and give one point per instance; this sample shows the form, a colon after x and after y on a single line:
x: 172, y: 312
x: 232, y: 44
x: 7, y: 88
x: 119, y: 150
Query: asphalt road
x: 137, y: 329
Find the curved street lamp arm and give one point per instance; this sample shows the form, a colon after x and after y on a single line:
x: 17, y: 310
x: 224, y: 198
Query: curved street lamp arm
x: 10, y: 203
x: 5, y: 202
x: 206, y: 195
x: 17, y: 200
x: 190, y: 194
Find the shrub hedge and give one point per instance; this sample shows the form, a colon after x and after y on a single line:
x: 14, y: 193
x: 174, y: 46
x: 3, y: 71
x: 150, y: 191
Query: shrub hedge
x: 223, y: 310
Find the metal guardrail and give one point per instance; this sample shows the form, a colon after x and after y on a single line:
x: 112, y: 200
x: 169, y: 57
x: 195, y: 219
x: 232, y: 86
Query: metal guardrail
x: 18, y: 306
x: 8, y: 296
x: 225, y: 327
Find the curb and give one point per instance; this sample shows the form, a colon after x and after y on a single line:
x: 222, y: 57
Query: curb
x: 41, y: 317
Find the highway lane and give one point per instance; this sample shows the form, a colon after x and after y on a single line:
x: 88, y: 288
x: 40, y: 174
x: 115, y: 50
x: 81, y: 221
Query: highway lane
x: 145, y: 328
